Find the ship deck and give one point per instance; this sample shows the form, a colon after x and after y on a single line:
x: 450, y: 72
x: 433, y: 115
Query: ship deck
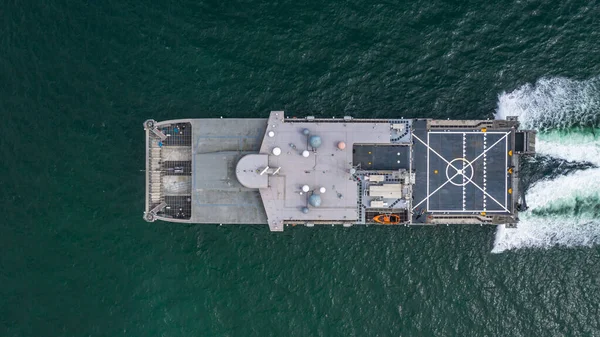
x: 425, y: 171
x: 326, y: 167
x: 462, y: 171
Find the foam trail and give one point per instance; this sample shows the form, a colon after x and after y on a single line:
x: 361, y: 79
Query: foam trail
x: 554, y: 217
x: 553, y: 103
x: 572, y: 145
x: 562, y: 210
x: 565, y: 112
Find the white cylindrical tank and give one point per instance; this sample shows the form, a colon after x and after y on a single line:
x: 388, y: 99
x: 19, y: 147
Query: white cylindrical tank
x: 276, y: 151
x: 322, y: 190
x: 305, y: 188
x: 271, y: 134
x: 305, y: 153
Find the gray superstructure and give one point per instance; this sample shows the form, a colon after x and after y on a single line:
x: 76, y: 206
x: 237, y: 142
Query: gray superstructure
x: 348, y: 171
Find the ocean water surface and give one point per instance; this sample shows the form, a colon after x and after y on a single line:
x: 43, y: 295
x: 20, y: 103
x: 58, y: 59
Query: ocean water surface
x: 78, y: 78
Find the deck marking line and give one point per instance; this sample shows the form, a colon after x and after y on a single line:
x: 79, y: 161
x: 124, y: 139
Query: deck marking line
x: 505, y: 172
x: 439, y: 188
x: 427, y: 145
x: 489, y: 196
x: 464, y: 189
x: 459, y: 211
x: 484, y: 171
x: 469, y: 165
x: 489, y: 148
x: 432, y: 150
x: 468, y: 132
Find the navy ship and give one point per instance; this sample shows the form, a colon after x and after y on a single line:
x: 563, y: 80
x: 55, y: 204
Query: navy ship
x: 283, y: 171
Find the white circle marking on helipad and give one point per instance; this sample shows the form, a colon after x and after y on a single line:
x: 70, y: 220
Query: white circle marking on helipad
x: 459, y: 172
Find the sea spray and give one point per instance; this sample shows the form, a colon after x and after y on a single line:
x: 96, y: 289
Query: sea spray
x: 553, y: 104
x: 563, y: 211
x: 544, y: 167
x: 563, y: 208
x: 575, y: 144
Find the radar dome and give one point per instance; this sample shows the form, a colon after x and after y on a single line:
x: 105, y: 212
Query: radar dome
x: 304, y: 210
x: 315, y: 141
x: 306, y: 132
x: 315, y: 200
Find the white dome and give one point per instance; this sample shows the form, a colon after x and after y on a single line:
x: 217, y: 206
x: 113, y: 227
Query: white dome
x: 322, y: 190
x: 271, y: 134
x: 305, y: 188
x: 276, y: 151
x: 305, y: 153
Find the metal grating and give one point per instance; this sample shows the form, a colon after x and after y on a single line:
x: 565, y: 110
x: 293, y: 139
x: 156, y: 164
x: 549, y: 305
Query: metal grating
x: 177, y: 168
x: 178, y: 134
x: 154, y: 174
x: 178, y: 207
x: 165, y: 197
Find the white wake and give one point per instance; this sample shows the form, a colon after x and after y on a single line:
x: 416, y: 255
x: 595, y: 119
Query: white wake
x: 565, y: 113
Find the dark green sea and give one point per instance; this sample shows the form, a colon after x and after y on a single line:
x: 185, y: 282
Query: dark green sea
x: 78, y: 78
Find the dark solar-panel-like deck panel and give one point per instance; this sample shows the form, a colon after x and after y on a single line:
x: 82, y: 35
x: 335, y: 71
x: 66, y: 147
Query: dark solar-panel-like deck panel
x: 381, y: 157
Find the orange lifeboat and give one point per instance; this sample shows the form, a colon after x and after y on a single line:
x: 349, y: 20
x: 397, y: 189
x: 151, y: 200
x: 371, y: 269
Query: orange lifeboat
x: 387, y: 219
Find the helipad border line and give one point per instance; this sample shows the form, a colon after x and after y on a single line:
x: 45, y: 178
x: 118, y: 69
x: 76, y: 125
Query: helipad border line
x: 466, y: 211
x: 469, y: 132
x: 470, y: 165
x: 464, y: 189
x: 506, y: 173
x: 428, y: 148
